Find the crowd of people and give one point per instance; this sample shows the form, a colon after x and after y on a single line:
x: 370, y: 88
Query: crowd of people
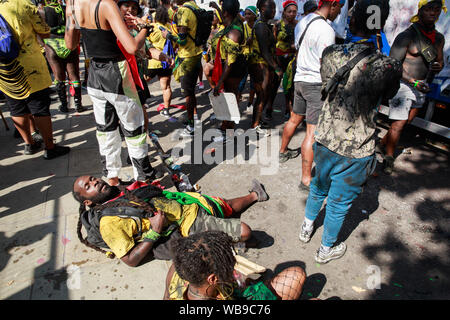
x: 334, y: 85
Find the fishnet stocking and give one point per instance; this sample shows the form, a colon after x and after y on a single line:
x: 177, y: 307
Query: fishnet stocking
x: 288, y: 284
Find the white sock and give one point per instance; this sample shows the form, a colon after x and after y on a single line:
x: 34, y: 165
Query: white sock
x: 195, y: 116
x: 324, y: 249
x: 308, y: 224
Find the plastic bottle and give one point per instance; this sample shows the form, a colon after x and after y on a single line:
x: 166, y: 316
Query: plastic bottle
x: 185, y: 184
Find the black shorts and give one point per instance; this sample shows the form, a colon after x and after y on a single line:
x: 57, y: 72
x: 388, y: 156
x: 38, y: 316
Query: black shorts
x: 37, y: 104
x: 189, y: 79
x: 160, y: 72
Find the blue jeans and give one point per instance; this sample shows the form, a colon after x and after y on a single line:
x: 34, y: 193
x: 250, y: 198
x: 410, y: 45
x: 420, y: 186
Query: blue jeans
x: 340, y: 179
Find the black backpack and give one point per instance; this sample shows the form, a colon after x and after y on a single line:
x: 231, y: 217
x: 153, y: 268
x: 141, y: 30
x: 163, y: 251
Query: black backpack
x: 90, y: 220
x: 204, y: 24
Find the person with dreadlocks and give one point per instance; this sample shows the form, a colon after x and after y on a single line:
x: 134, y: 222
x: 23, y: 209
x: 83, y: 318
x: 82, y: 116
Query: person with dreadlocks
x: 262, y: 64
x: 61, y: 59
x: 420, y: 49
x: 160, y: 213
x: 227, y: 58
x: 203, y: 269
x: 356, y: 78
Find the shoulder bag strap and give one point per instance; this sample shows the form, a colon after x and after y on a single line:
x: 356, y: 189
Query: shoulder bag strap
x: 304, y: 32
x: 343, y: 71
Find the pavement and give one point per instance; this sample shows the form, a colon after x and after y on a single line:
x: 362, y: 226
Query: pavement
x: 397, y: 231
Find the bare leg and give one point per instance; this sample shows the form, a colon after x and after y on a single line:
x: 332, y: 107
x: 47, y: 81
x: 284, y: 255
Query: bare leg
x: 246, y: 232
x: 392, y: 137
x: 239, y: 205
x: 251, y: 96
x: 167, y: 91
x: 207, y: 69
x: 260, y: 77
x: 22, y: 123
x: 44, y: 125
x: 289, y: 129
x: 288, y: 284
x: 307, y: 154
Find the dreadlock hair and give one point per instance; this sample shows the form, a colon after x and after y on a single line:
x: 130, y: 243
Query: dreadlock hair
x: 133, y: 201
x: 201, y: 254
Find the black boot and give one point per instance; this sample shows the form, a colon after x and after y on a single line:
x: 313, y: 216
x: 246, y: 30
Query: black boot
x: 62, y: 94
x: 77, y: 99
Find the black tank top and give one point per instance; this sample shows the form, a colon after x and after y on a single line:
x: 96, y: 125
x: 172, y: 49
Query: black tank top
x: 55, y: 20
x: 99, y: 43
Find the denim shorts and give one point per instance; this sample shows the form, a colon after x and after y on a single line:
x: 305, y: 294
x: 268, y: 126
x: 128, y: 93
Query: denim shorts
x: 307, y: 101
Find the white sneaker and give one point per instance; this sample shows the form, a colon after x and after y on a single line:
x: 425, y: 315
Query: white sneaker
x: 305, y: 235
x: 188, y: 131
x: 334, y: 253
x: 261, y: 132
x: 165, y: 112
x: 223, y: 138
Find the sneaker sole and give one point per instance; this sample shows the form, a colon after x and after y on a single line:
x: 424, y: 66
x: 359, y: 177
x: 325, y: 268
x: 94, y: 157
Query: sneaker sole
x: 323, y: 261
x: 304, y: 240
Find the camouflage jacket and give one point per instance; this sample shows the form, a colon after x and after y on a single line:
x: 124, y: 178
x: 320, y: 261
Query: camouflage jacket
x: 347, y: 122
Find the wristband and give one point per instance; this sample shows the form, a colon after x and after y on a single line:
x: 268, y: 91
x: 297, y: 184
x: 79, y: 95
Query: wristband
x: 151, y: 236
x: 416, y: 83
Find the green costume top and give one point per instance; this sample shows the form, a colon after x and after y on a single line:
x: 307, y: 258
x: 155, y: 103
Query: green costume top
x: 229, y: 49
x: 285, y: 38
x: 56, y: 20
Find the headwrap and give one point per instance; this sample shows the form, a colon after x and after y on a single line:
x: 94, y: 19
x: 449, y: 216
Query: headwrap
x: 322, y: 1
x: 253, y: 9
x: 288, y: 3
x: 423, y: 3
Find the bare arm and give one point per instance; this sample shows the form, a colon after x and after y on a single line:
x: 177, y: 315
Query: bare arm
x: 399, y: 48
x: 72, y: 35
x: 135, y: 256
x: 262, y: 35
x: 111, y: 13
x: 168, y: 279
x: 440, y: 42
